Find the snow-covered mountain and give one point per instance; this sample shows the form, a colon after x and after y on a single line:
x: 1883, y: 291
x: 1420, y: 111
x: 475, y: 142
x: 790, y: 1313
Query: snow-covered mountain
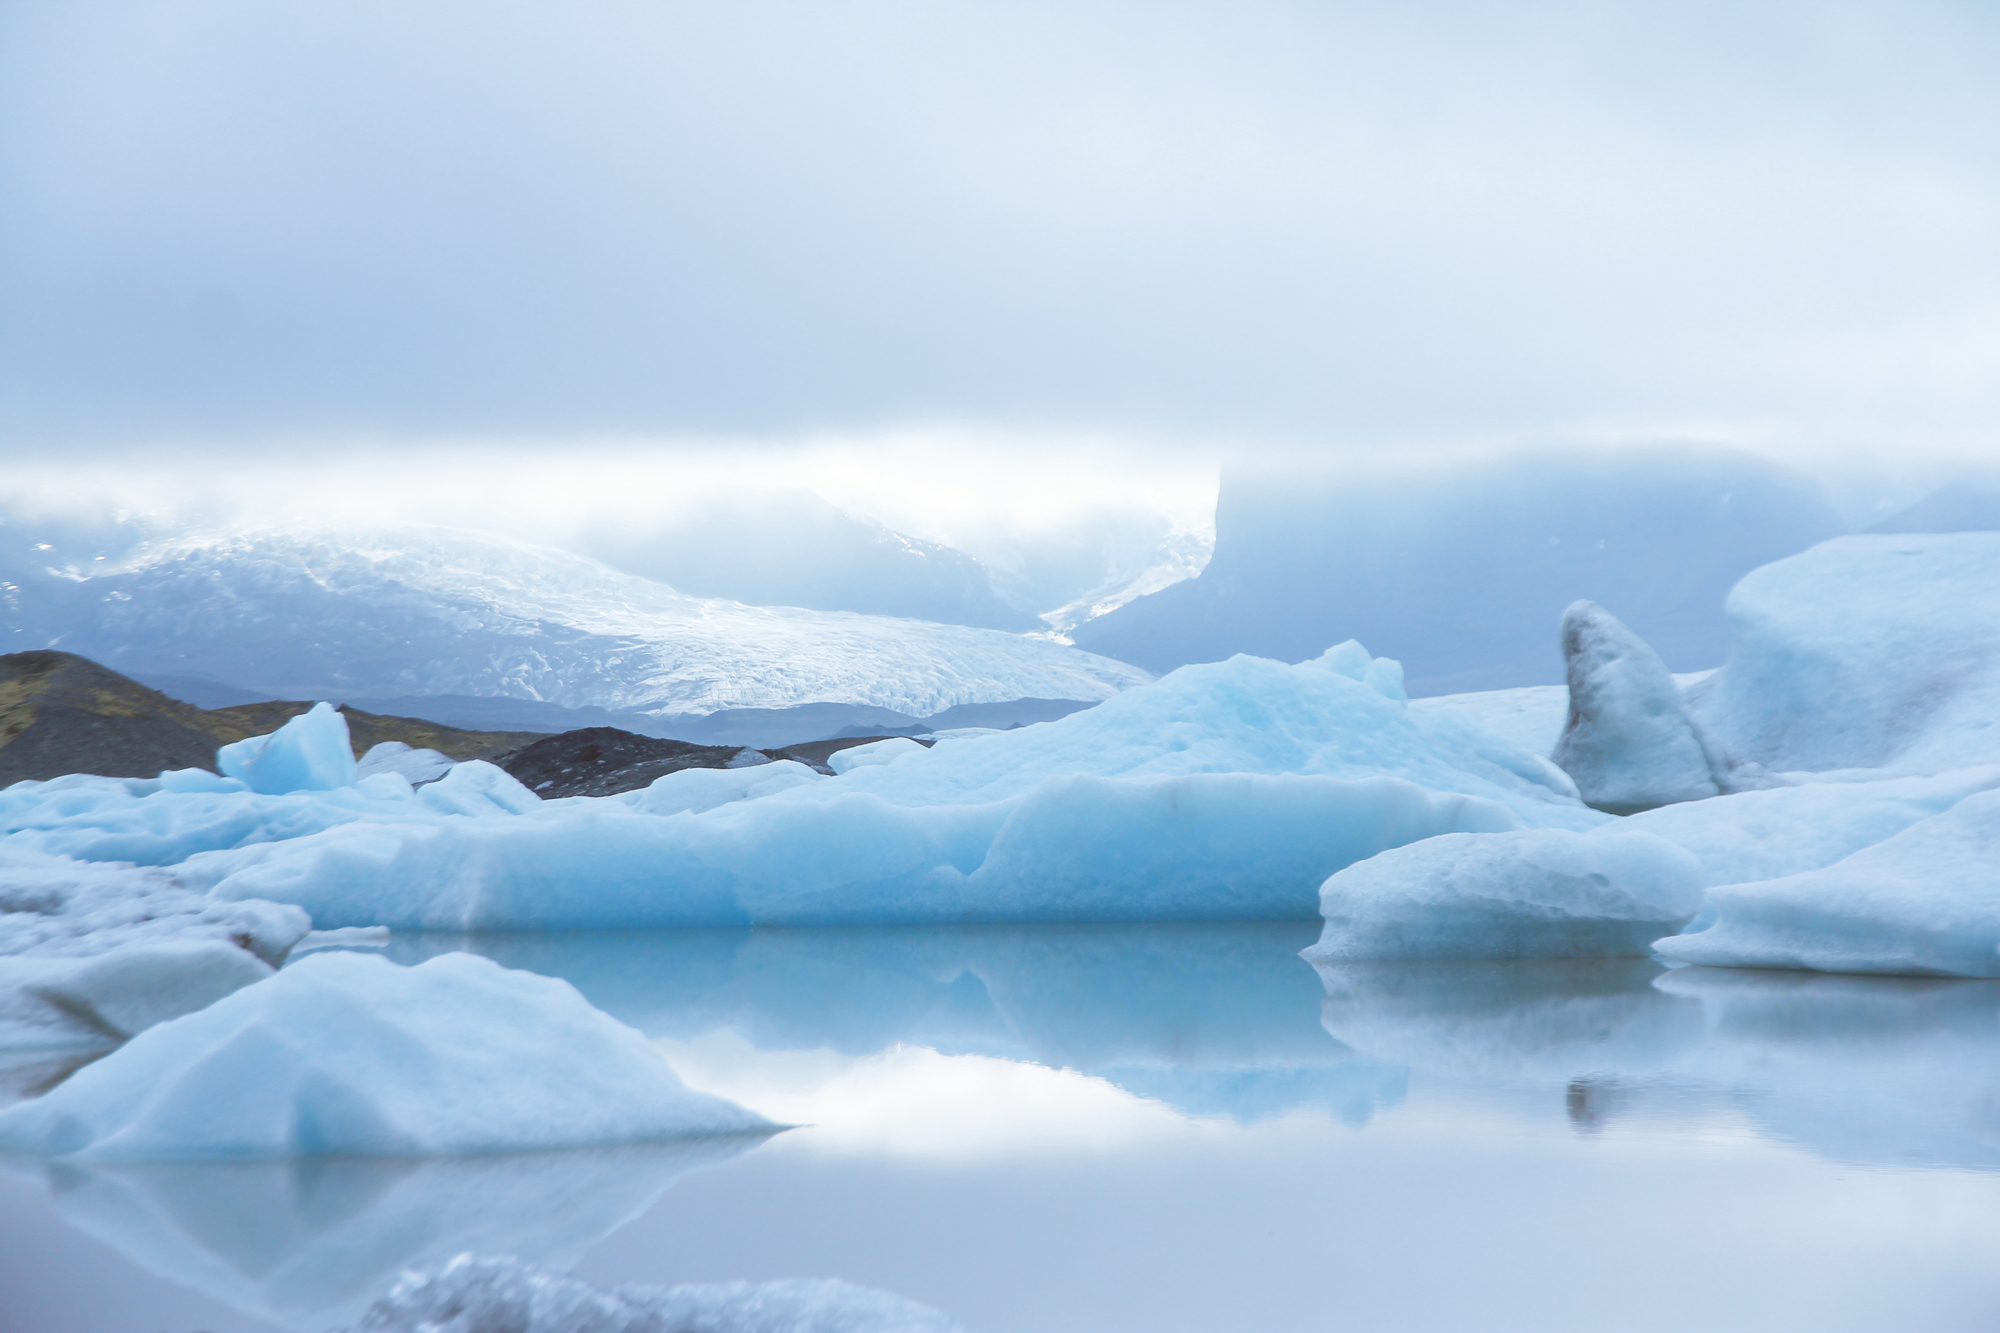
x: 442, y: 611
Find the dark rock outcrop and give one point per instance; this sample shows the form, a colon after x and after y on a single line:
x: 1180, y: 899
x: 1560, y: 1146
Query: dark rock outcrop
x: 61, y: 713
x: 603, y: 761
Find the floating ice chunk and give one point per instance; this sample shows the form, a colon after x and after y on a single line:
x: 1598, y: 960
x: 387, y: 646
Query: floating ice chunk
x: 349, y: 1054
x: 1203, y: 846
x: 692, y: 790
x: 94, y: 953
x: 1865, y: 652
x: 117, y: 994
x: 478, y: 788
x: 1921, y: 903
x: 748, y: 758
x: 1534, y: 893
x: 478, y: 1295
x: 419, y: 766
x: 311, y: 752
x: 875, y: 752
x: 1758, y: 835
x: 1628, y: 741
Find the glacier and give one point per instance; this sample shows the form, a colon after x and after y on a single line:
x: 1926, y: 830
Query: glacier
x: 348, y: 1054
x: 437, y: 611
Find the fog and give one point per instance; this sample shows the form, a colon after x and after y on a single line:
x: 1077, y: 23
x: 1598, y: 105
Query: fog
x: 279, y: 230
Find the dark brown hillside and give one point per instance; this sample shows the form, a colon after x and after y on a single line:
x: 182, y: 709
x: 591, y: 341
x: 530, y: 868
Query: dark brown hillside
x: 61, y: 713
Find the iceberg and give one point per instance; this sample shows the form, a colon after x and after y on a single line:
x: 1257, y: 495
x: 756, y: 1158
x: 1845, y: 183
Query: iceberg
x: 312, y: 752
x: 93, y: 953
x: 349, y: 1054
x: 473, y: 1295
x: 1869, y: 652
x: 1533, y: 893
x: 417, y: 765
x: 1768, y: 834
x: 1229, y: 790
x: 1920, y: 903
x: 1628, y: 741
x: 875, y: 752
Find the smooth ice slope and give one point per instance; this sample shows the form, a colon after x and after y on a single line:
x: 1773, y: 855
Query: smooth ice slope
x: 1537, y: 893
x: 1865, y: 652
x: 94, y: 953
x: 1628, y: 742
x: 481, y: 1295
x: 1224, y: 791
x: 348, y: 1054
x: 311, y: 752
x: 1922, y: 902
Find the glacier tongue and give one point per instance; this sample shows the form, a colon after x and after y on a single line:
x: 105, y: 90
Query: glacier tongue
x: 436, y: 611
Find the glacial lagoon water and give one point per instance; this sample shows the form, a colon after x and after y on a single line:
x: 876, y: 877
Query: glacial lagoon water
x: 1161, y: 1128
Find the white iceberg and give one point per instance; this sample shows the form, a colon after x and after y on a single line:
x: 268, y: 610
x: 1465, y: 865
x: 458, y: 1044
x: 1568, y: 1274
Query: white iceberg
x: 1873, y: 651
x: 417, y: 765
x: 349, y: 1054
x: 312, y: 752
x: 484, y: 1295
x: 1921, y: 903
x: 1535, y: 893
x: 875, y: 752
x: 93, y: 953
x: 1628, y: 740
x: 1781, y: 831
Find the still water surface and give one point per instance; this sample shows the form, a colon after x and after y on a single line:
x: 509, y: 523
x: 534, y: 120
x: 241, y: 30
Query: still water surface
x: 1043, y: 1129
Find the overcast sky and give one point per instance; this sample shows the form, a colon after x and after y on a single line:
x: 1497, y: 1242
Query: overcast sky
x: 273, y: 232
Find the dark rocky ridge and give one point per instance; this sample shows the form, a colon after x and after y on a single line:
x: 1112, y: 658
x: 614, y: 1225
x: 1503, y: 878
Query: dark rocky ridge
x: 61, y: 713
x: 604, y: 761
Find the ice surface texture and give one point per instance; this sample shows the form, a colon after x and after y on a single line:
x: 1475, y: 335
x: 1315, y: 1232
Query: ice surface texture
x: 1537, y: 893
x: 1921, y: 902
x: 1224, y: 791
x: 477, y: 1295
x: 1865, y: 652
x: 349, y: 1054
x: 311, y: 752
x: 417, y: 765
x: 94, y: 953
x: 1628, y: 741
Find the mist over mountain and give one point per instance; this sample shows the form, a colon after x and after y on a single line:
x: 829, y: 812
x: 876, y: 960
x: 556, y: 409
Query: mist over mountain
x: 792, y: 548
x: 1462, y: 571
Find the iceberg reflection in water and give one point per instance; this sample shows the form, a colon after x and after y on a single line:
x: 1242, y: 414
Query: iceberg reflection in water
x: 1859, y: 1069
x: 309, y: 1243
x: 1162, y: 1127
